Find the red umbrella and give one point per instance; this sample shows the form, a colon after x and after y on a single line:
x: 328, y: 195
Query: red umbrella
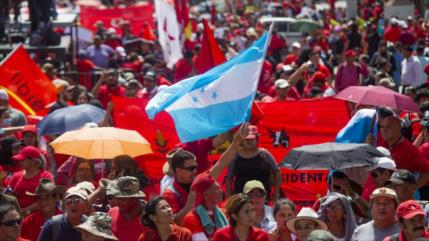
x: 378, y: 96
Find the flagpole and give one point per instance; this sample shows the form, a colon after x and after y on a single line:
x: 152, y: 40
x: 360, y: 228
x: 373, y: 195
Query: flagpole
x: 10, y: 54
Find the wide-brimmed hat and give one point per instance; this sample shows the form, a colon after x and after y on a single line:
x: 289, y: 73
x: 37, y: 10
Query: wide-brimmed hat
x: 99, y: 224
x: 46, y: 187
x: 309, y: 214
x: 126, y: 187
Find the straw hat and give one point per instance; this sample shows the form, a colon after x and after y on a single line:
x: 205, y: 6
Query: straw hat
x: 309, y: 214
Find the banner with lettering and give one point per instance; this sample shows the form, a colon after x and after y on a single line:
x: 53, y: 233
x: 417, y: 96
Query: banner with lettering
x: 282, y: 126
x: 137, y: 16
x: 28, y: 87
x: 291, y: 124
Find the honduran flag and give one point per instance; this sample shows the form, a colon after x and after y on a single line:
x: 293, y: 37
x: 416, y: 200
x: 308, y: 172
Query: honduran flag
x: 216, y: 101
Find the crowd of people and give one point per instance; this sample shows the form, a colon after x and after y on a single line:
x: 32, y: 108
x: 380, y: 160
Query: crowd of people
x: 47, y: 196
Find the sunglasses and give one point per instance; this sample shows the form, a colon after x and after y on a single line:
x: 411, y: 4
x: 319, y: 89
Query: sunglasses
x: 190, y: 168
x: 12, y: 222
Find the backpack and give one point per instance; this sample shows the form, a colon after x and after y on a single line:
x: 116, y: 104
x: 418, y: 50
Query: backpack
x: 407, y: 127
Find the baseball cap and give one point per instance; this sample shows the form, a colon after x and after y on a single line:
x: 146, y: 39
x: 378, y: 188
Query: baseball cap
x: 30, y: 128
x: 253, y: 132
x: 409, y: 209
x: 202, y: 182
x: 350, y: 53
x: 386, y: 163
x: 3, y: 95
x: 401, y: 176
x: 296, y: 45
x: 384, y: 192
x: 76, y: 191
x: 281, y: 84
x: 250, y: 185
x: 27, y: 152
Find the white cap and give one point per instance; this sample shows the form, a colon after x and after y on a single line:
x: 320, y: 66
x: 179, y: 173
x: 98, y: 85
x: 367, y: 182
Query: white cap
x: 287, y: 68
x: 281, y: 84
x: 384, y: 151
x: 3, y: 95
x: 386, y: 163
x: 121, y: 51
x: 251, y: 32
x: 296, y: 45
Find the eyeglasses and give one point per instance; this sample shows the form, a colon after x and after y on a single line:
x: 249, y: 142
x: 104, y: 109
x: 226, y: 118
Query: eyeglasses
x: 306, y: 227
x: 190, y: 168
x: 256, y: 194
x: 74, y: 200
x: 12, y: 222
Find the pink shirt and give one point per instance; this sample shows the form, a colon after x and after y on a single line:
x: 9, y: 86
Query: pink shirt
x: 20, y: 185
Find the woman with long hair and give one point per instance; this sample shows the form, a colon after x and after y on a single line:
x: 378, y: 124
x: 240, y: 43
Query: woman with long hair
x: 241, y: 213
x: 158, y: 217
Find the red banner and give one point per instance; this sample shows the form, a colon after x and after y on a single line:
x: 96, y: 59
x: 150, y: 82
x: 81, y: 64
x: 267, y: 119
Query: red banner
x: 114, y: 17
x: 28, y: 87
x: 292, y: 124
x: 283, y: 126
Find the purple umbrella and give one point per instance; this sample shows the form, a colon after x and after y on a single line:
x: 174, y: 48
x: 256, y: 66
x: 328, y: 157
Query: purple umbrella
x: 378, y: 96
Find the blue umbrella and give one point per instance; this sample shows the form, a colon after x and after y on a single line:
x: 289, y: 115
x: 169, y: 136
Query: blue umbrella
x: 70, y: 118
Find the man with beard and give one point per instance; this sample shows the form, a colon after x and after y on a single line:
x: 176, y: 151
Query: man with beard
x: 108, y: 86
x: 411, y: 222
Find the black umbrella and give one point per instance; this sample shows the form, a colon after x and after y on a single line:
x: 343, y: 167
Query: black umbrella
x: 331, y: 155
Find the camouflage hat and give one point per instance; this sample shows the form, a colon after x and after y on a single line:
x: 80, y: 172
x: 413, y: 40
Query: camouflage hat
x: 320, y: 235
x: 99, y: 224
x: 126, y: 187
x: 111, y: 187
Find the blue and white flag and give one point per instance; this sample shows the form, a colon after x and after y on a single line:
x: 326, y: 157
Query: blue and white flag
x: 216, y: 101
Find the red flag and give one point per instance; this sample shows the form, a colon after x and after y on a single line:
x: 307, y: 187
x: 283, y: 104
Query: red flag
x: 114, y: 17
x: 28, y: 87
x: 129, y: 113
x: 292, y: 124
x: 210, y: 54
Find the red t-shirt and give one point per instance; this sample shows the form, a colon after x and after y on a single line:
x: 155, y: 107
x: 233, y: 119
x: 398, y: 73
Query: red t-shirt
x: 290, y: 58
x: 32, y: 225
x: 408, y: 157
x: 84, y: 67
x: 21, y: 185
x: 176, y: 196
x: 106, y: 93
x: 265, y: 77
x: 125, y: 230
x: 177, y: 234
x: 228, y: 233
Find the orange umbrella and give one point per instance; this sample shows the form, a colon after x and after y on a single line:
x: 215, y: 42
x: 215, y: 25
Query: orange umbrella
x: 101, y: 143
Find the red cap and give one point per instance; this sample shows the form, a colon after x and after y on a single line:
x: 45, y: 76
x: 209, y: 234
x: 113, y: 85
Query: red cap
x: 202, y: 182
x: 350, y: 53
x: 30, y: 128
x: 253, y: 132
x: 318, y: 76
x: 27, y: 152
x: 409, y: 209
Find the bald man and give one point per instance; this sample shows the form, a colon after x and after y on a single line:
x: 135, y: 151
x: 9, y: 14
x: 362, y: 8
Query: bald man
x: 405, y: 154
